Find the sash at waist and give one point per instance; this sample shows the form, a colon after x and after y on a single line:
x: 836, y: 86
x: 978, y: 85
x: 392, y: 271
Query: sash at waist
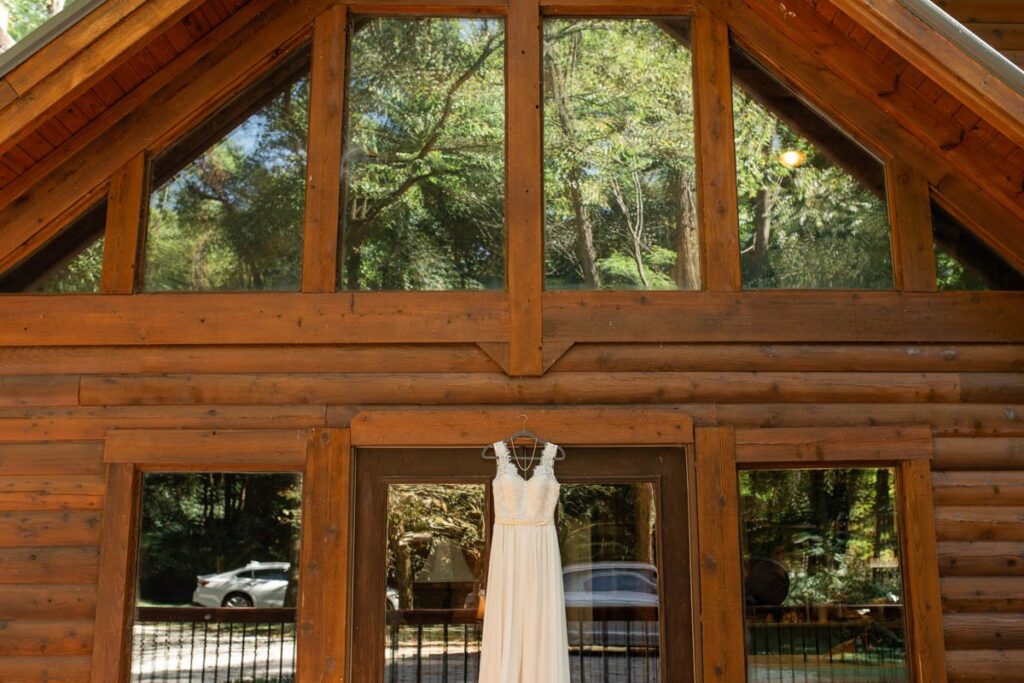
x: 523, y: 522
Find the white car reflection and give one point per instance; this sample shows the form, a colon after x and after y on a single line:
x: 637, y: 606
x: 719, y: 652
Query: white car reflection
x: 257, y: 584
x: 611, y: 604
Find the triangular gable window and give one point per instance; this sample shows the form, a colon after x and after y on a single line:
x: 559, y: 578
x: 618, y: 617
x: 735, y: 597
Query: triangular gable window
x: 226, y: 208
x: 70, y: 263
x: 812, y: 202
x: 964, y: 262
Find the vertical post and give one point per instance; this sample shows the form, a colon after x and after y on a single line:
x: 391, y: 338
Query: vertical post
x: 718, y: 519
x: 910, y: 214
x: 716, y: 154
x: 123, y: 231
x: 922, y: 600
x: 524, y: 201
x: 323, y: 585
x: 115, y: 593
x: 323, y: 170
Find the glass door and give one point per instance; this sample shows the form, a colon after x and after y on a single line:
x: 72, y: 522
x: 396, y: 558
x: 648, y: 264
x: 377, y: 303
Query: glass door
x: 423, y: 521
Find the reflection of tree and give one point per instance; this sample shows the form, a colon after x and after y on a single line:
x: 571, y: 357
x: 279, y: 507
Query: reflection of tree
x: 606, y: 523
x: 421, y: 517
x: 833, y: 530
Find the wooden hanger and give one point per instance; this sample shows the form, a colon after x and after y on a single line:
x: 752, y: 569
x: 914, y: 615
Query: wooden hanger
x: 524, y: 433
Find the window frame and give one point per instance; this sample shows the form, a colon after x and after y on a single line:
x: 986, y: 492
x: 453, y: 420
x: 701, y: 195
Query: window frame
x: 524, y: 328
x: 320, y: 455
x: 722, y: 452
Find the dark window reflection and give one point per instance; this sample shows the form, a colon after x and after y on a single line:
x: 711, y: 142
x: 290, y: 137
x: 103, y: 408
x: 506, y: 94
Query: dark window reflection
x: 70, y: 263
x: 218, y: 577
x: 964, y: 262
x: 822, y: 585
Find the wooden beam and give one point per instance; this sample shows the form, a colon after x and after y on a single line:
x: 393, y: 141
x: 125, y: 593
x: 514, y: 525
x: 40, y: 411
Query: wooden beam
x: 326, y: 528
x: 115, y: 595
x: 961, y: 73
x: 571, y: 388
x: 186, y: 448
x: 323, y: 174
x: 357, y: 317
x: 589, y: 426
x: 716, y: 154
x: 921, y: 572
x: 782, y: 316
x: 524, y: 195
x: 810, y: 446
x: 121, y: 239
x: 720, y: 559
x: 910, y: 215
x: 627, y: 8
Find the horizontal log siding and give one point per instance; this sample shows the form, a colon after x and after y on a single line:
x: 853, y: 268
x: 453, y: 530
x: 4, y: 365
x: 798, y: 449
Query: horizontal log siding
x: 57, y: 404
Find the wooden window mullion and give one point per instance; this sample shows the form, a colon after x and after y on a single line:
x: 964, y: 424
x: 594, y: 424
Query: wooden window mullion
x: 122, y: 237
x: 323, y: 171
x: 910, y: 213
x: 716, y: 154
x: 524, y: 199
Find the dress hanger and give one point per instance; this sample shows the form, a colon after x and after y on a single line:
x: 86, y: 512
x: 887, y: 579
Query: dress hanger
x: 524, y: 433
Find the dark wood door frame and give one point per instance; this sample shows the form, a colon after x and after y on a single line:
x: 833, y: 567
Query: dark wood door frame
x: 663, y: 466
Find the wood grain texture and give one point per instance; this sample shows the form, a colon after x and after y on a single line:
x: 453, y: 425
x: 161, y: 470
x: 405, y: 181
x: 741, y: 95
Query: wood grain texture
x: 995, y: 488
x: 115, y: 593
x: 60, y: 492
x: 836, y: 444
x: 723, y: 650
x: 981, y: 631
x: 23, y: 529
x: 377, y: 317
x: 45, y: 458
x: 38, y: 390
x: 285, y: 448
x: 980, y: 523
x: 436, y: 389
x: 326, y: 529
x: 921, y: 572
x: 716, y: 154
x: 981, y: 558
x: 983, y: 593
x: 46, y: 639
x: 49, y: 565
x: 323, y: 165
x: 123, y: 233
x: 77, y: 424
x: 259, y: 359
x: 985, y: 666
x: 782, y: 317
x: 564, y: 425
x: 48, y: 669
x: 910, y: 215
x: 524, y: 195
x: 979, y: 454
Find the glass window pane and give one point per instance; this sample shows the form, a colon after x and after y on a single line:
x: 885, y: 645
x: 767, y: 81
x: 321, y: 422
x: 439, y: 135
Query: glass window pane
x: 226, y: 211
x: 964, y: 262
x: 436, y: 559
x: 217, y: 540
x: 822, y: 583
x: 811, y: 201
x: 619, y: 166
x: 608, y: 540
x: 70, y: 263
x: 423, y: 203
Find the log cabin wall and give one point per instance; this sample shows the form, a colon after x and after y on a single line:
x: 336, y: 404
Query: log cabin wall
x: 59, y: 403
x: 953, y: 362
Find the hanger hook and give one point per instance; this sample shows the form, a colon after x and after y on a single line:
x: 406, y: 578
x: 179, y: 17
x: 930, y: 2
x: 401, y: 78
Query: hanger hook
x: 524, y: 418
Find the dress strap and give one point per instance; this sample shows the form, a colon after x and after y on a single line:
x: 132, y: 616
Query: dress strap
x: 501, y: 454
x: 548, y: 457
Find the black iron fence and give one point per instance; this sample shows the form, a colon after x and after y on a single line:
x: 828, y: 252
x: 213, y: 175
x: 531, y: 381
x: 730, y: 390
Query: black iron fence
x: 828, y: 643
x: 223, y: 645
x: 606, y: 645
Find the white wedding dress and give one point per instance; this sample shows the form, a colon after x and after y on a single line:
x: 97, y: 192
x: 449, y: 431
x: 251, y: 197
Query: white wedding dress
x: 525, y: 637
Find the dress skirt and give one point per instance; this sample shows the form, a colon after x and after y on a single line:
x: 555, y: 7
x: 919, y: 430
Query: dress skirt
x: 524, y: 639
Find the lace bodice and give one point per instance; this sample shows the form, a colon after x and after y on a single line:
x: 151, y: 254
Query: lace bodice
x: 525, y: 501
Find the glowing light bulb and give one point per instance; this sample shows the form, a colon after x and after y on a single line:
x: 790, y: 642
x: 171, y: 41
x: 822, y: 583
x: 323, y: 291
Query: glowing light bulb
x: 792, y: 158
